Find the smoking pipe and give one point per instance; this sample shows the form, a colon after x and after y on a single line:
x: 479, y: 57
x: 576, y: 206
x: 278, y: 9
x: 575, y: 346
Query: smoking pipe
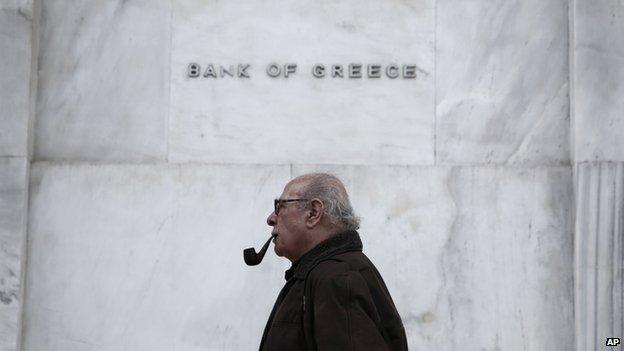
x: 252, y: 258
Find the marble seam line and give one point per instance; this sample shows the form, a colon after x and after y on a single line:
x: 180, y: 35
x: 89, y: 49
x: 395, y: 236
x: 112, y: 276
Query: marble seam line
x: 435, y: 84
x: 16, y: 156
x: 372, y: 165
x: 585, y: 180
x: 168, y: 129
x: 596, y: 250
x: 619, y: 233
x: 613, y: 254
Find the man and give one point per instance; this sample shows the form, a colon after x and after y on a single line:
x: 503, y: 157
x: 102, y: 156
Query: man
x: 334, y: 297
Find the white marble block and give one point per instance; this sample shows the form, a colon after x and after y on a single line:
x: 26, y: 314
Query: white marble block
x: 302, y: 119
x: 599, y: 254
x: 502, y: 82
x: 16, y: 87
x: 22, y: 6
x: 103, y: 81
x: 598, y: 76
x: 13, y: 206
x: 476, y: 258
x: 149, y: 257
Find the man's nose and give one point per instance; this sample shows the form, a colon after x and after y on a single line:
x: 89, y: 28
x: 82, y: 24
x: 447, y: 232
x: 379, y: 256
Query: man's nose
x: 272, y: 219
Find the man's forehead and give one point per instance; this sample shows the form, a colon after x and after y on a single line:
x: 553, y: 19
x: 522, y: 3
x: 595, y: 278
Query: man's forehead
x: 294, y: 188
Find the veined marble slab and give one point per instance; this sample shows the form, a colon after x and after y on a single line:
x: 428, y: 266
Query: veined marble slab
x: 599, y: 254
x: 13, y: 204
x: 23, y: 6
x: 476, y: 258
x: 103, y: 80
x: 598, y: 73
x: 302, y: 119
x: 149, y: 257
x: 502, y: 82
x: 16, y: 60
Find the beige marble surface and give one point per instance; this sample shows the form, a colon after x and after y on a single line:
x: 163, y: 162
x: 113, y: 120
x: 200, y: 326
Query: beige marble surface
x: 18, y: 58
x: 599, y: 254
x: 465, y: 192
x: 103, y: 81
x: 502, y: 82
x: 17, y: 61
x: 150, y: 257
x: 476, y: 258
x: 302, y: 119
x: 22, y: 6
x: 598, y: 75
x: 13, y: 206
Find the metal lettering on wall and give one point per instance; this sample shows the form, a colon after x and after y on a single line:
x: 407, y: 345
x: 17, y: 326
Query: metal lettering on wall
x: 320, y: 71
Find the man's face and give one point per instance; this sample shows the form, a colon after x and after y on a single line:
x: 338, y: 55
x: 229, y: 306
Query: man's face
x: 289, y: 225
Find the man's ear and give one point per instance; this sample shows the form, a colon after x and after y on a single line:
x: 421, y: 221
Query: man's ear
x: 315, y: 213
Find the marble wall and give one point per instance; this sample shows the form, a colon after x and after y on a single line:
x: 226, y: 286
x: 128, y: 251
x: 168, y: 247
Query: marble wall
x: 147, y: 184
x: 302, y: 119
x: 477, y: 258
x: 502, y: 82
x: 13, y: 204
x: 597, y: 55
x: 599, y: 251
x: 149, y: 256
x: 103, y: 81
x: 16, y: 63
x: 18, y: 78
x: 481, y: 95
x: 598, y: 72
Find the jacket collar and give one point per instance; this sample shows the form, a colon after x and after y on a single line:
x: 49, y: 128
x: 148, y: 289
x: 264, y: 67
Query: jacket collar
x: 342, y: 242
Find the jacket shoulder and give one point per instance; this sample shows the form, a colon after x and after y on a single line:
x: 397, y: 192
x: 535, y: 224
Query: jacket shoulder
x: 337, y: 265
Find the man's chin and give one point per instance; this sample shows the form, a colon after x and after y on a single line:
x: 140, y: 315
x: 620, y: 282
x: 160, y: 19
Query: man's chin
x: 278, y: 252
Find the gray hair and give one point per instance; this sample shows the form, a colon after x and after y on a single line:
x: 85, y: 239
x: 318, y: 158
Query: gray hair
x: 330, y: 190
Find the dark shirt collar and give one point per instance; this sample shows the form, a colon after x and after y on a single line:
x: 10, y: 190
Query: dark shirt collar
x: 336, y: 244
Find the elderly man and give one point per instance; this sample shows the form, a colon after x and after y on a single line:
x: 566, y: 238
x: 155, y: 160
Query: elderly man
x: 334, y: 297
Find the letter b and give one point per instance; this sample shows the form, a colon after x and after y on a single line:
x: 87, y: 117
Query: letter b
x: 193, y: 70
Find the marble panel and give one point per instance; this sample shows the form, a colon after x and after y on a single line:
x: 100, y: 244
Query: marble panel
x: 22, y: 6
x: 502, y: 82
x: 103, y: 80
x: 13, y: 203
x: 16, y: 59
x: 599, y: 254
x: 149, y: 257
x: 476, y: 258
x: 131, y: 256
x: 302, y: 119
x: 598, y: 73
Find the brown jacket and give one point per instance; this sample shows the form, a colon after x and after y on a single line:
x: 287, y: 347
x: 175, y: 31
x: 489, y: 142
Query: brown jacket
x: 334, y: 299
